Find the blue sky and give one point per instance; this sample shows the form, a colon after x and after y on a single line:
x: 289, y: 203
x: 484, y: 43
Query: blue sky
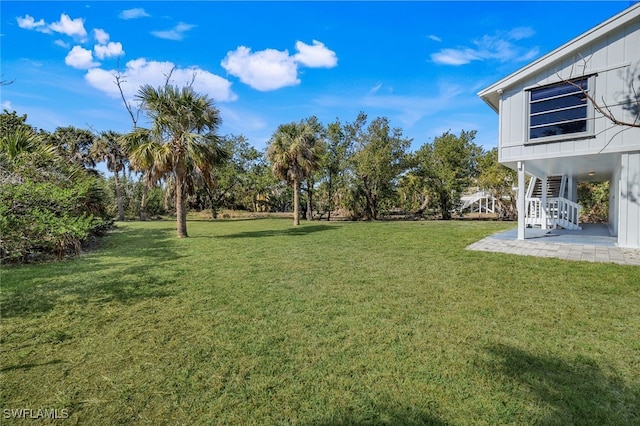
x: 420, y: 64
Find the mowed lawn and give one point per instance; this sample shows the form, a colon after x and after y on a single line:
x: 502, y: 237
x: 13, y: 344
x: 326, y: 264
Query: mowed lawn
x: 257, y: 322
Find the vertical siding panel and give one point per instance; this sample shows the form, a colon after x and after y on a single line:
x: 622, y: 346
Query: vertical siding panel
x: 629, y: 226
x: 610, y: 87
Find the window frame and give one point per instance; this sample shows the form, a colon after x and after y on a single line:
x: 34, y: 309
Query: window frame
x: 589, y: 117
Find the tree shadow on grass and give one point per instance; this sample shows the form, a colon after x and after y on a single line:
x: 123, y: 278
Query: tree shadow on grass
x: 135, y: 243
x: 578, y: 392
x: 29, y: 366
x: 235, y: 219
x: 298, y: 230
x: 27, y: 301
x: 386, y: 416
x: 76, y: 280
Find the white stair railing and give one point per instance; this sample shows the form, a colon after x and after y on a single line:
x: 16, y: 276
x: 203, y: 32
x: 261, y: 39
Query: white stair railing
x: 474, y: 202
x: 559, y: 212
x: 533, y: 212
x: 564, y: 213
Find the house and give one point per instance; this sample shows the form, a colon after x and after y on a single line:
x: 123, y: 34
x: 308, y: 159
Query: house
x: 572, y: 116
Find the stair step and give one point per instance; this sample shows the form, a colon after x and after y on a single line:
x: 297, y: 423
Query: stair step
x: 553, y: 187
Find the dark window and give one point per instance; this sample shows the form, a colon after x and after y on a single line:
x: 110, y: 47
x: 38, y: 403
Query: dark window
x: 559, y: 109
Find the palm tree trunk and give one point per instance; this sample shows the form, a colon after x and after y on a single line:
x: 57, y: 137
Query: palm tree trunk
x: 181, y: 211
x: 330, y: 192
x: 296, y: 202
x: 119, y: 196
x: 309, y: 199
x: 143, y: 202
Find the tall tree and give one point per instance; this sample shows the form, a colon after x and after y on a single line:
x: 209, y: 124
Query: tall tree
x: 10, y: 122
x: 447, y: 166
x: 215, y: 185
x: 293, y: 157
x: 313, y: 175
x: 182, y: 138
x: 75, y: 144
x: 499, y: 181
x: 108, y: 148
x: 333, y: 162
x: 379, y: 158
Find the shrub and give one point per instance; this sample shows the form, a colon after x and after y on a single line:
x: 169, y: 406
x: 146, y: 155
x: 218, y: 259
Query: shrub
x: 38, y: 219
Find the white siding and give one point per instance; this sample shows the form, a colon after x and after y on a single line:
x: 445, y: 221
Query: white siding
x: 612, y: 57
x: 629, y: 216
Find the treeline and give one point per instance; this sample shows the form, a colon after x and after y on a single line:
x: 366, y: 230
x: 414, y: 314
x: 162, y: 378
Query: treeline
x: 53, y: 199
x: 365, y: 170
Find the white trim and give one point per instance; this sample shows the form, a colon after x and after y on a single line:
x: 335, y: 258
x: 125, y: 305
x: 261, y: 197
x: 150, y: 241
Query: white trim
x: 590, y: 118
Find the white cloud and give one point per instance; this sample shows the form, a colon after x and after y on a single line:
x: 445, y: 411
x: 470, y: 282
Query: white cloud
x: 176, y: 33
x: 375, y: 89
x: 272, y: 69
x: 80, y: 58
x: 435, y: 38
x: 101, y: 36
x: 521, y: 33
x: 499, y: 46
x: 62, y: 44
x: 140, y: 71
x: 7, y: 105
x: 135, y: 13
x: 109, y: 50
x: 70, y: 27
x: 455, y: 56
x: 266, y: 70
x: 315, y: 56
x: 28, y: 23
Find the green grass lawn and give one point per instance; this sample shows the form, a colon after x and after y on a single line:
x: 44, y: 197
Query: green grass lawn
x: 257, y: 322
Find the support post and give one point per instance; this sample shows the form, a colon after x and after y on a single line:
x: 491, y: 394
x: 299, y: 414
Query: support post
x: 522, y: 193
x: 572, y: 189
x: 543, y: 203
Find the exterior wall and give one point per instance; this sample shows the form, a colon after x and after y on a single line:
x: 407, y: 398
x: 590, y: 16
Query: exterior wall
x: 611, y: 57
x: 629, y: 215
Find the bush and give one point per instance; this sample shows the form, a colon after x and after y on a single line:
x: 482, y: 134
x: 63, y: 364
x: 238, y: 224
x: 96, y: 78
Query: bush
x: 39, y: 219
x: 594, y: 199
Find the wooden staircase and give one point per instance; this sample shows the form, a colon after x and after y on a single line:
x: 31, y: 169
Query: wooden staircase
x: 554, y: 187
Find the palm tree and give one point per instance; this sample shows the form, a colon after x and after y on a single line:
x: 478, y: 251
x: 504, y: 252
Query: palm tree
x: 107, y: 147
x: 21, y: 141
x: 293, y: 157
x: 182, y: 138
x: 75, y: 144
x: 141, y: 159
